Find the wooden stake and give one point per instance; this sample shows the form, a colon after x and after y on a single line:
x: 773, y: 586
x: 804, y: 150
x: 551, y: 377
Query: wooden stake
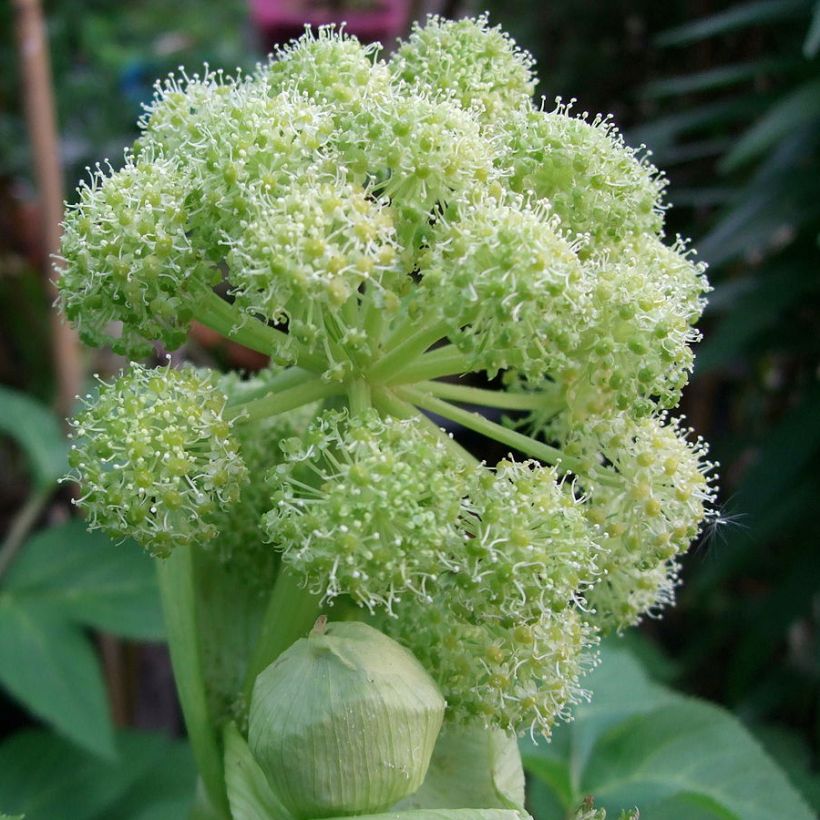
x: 38, y: 99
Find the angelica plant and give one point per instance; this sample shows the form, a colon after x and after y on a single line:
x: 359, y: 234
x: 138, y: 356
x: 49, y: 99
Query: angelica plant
x: 390, y: 233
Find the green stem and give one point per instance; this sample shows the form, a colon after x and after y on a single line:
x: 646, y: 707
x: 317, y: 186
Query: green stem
x: 479, y: 424
x: 407, y: 350
x: 543, y: 400
x: 388, y: 403
x: 358, y: 397
x: 291, y: 377
x: 444, y: 361
x: 276, y: 403
x: 290, y: 614
x: 21, y: 525
x: 177, y: 592
x: 219, y: 315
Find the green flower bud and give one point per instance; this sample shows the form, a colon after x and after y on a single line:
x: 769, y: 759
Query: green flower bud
x: 508, y: 282
x: 649, y: 503
x: 468, y: 61
x: 345, y: 721
x: 597, y: 185
x: 156, y: 459
x: 368, y: 507
x: 303, y: 254
x: 129, y: 258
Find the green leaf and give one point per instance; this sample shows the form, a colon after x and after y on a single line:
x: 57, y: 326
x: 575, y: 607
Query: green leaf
x: 47, y: 778
x: 36, y: 429
x: 249, y: 794
x: 733, y: 19
x: 471, y: 768
x: 165, y: 791
x: 758, y: 308
x: 690, y: 747
x: 812, y: 43
x: 640, y: 744
x: 94, y: 582
x: 797, y: 109
x: 714, y: 78
x: 660, y: 133
x: 51, y: 668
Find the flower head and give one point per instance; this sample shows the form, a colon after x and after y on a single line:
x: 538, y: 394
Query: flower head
x: 367, y: 507
x: 468, y: 60
x: 156, y: 458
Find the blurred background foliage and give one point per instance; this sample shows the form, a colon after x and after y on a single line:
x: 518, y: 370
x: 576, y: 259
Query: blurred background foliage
x: 727, y: 95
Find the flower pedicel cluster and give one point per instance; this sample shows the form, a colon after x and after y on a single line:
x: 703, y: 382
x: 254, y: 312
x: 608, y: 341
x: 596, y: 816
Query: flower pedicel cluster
x: 376, y: 227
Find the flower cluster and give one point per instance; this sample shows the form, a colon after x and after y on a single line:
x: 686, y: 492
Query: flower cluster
x: 376, y: 225
x: 156, y: 457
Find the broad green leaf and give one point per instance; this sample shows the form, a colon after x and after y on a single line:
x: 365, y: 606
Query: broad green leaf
x: 109, y: 586
x: 165, y: 791
x: 36, y: 429
x: 714, y: 78
x: 758, y: 308
x: 249, y: 794
x: 638, y: 743
x: 471, y: 768
x: 812, y: 43
x: 661, y: 133
x: 792, y: 751
x: 48, y: 778
x: 797, y: 109
x: 49, y: 665
x: 734, y: 18
x: 689, y: 748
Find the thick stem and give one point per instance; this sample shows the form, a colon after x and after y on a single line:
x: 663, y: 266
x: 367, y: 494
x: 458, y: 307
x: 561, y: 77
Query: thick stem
x: 479, y: 424
x: 212, y: 310
x: 290, y: 614
x: 276, y: 403
x: 406, y: 351
x: 444, y: 361
x: 358, y: 397
x: 177, y: 592
x: 387, y: 403
x: 544, y: 400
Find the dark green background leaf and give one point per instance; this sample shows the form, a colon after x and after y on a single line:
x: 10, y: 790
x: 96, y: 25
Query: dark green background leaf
x: 50, y: 666
x: 47, y: 778
x: 36, y: 429
x: 109, y: 586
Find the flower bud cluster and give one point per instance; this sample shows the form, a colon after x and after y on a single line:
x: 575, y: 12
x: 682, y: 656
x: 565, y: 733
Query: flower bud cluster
x: 367, y: 507
x: 484, y: 571
x: 129, y: 258
x: 308, y: 249
x: 469, y: 61
x: 358, y: 212
x: 507, y: 282
x: 648, y: 493
x: 599, y: 187
x: 156, y: 457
